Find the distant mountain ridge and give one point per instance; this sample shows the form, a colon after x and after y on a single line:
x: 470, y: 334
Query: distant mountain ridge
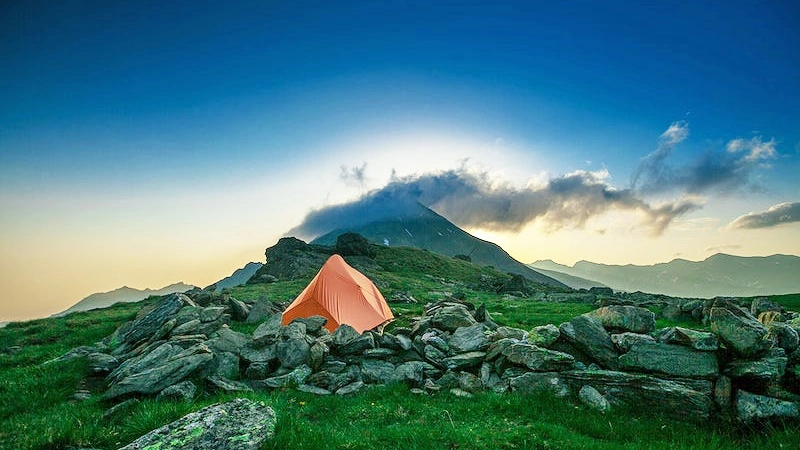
x: 124, y: 294
x: 421, y: 227
x: 717, y: 275
x: 239, y: 276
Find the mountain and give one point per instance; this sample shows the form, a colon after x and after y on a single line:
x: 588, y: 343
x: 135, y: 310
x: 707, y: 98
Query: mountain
x: 570, y: 280
x: 421, y: 227
x: 718, y: 275
x: 123, y: 294
x: 239, y: 276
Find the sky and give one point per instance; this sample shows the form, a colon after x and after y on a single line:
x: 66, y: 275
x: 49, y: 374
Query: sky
x: 145, y: 143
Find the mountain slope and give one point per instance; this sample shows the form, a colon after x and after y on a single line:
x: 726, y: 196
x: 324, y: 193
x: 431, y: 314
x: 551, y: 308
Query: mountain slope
x: 238, y: 277
x: 718, y: 275
x: 570, y: 280
x: 422, y: 228
x: 123, y: 294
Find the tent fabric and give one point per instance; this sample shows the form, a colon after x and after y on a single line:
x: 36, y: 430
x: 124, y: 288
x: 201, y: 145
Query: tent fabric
x: 343, y: 295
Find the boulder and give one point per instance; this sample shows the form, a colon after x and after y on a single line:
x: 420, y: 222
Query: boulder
x: 463, y: 360
x: 102, y: 362
x: 535, y: 382
x: 670, y: 360
x: 354, y: 244
x: 228, y: 385
x: 184, y: 391
x: 294, y: 378
x: 261, y: 310
x: 357, y: 346
x: 468, y: 339
x: 410, y: 372
x: 544, y: 335
x: 682, y: 400
x: 624, y: 341
x: 268, y: 332
x: 592, y: 398
x: 469, y: 382
x: 537, y: 359
x: 625, y: 318
x: 752, y: 408
x: 698, y: 340
x: 313, y: 324
x: 344, y: 334
x: 587, y: 334
x: 239, y: 310
x: 510, y: 332
x: 227, y: 340
x: 351, y: 388
x: 211, y: 314
x: 166, y: 373
x: 239, y: 424
x: 293, y: 352
x: 771, y: 367
x: 144, y: 327
x: 785, y: 336
x: 452, y: 317
x: 739, y: 330
x: 377, y: 371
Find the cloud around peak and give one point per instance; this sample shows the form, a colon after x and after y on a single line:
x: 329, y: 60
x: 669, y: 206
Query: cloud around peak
x: 782, y: 213
x: 472, y: 198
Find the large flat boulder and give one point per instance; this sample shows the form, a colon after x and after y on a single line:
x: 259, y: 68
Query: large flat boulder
x: 751, y: 408
x: 587, y: 334
x: 538, y: 359
x: 625, y: 318
x: 741, y: 332
x: 239, y: 424
x: 670, y: 360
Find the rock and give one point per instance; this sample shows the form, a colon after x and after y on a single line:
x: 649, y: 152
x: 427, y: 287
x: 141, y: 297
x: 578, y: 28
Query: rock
x: 261, y: 310
x: 740, y: 331
x: 378, y: 353
x: 469, y: 382
x: 334, y: 381
x: 763, y: 304
x: 184, y: 391
x: 433, y: 354
x: 313, y: 389
x: 188, y: 328
x: 670, y: 360
x: 258, y: 370
x: 101, y: 362
x: 166, y: 373
x: 268, y: 332
x: 590, y: 397
x: 452, y: 317
x: 698, y: 340
x: 785, y: 336
x: 401, y: 297
x: 752, y: 408
x: 544, y: 335
x: 142, y: 328
x: 625, y: 318
x: 317, y: 354
x: 119, y: 407
x: 510, y: 332
x: 468, y: 339
x: 722, y: 393
x: 377, y: 371
x: 355, y: 347
x: 344, y: 335
x: 351, y: 388
x: 227, y: 340
x: 225, y: 364
x: 239, y: 424
x: 292, y: 379
x: 431, y: 338
x: 588, y: 335
x: 458, y: 392
x: 410, y: 372
x: 239, y: 310
x: 535, y: 382
x: 624, y: 341
x: 262, y: 354
x: 211, y: 314
x: 354, y: 244
x: 769, y: 368
x: 463, y: 360
x: 538, y: 359
x: 403, y: 341
x: 682, y: 400
x: 228, y: 385
x: 293, y: 353
x: 313, y: 324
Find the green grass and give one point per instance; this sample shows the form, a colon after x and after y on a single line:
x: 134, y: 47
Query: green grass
x: 37, y: 411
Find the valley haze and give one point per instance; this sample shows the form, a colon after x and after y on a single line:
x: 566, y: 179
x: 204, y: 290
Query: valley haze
x: 146, y: 143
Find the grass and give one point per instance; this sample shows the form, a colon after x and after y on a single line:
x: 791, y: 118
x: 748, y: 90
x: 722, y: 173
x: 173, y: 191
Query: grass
x: 37, y: 410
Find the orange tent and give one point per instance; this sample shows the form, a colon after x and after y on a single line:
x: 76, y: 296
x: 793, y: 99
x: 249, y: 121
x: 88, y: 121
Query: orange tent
x: 343, y: 295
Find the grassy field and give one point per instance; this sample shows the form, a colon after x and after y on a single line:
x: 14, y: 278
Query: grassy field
x: 37, y: 410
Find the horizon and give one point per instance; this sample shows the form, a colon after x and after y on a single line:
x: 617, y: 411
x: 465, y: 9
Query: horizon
x: 146, y: 143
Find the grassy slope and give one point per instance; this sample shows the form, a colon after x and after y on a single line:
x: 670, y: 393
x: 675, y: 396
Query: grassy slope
x: 36, y: 411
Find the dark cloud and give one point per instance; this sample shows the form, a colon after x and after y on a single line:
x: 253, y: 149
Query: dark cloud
x: 722, y: 171
x: 788, y: 212
x: 472, y: 199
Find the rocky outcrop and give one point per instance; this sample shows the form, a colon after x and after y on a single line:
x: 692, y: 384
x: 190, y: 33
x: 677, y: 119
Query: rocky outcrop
x: 239, y: 424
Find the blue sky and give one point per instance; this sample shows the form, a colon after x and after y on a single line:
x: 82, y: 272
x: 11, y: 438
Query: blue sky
x: 194, y: 134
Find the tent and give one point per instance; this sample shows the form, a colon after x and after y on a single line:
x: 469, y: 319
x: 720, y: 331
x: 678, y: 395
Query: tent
x: 343, y: 295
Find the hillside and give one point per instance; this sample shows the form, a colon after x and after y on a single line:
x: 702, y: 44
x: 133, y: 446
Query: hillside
x: 238, y: 277
x: 718, y: 275
x: 420, y: 227
x: 124, y: 294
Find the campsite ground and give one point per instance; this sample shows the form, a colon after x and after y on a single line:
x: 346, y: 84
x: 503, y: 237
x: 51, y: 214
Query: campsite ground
x: 38, y: 408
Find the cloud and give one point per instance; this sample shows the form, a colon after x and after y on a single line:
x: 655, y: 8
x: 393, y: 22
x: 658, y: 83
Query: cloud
x: 781, y: 213
x: 722, y: 172
x: 353, y: 175
x: 473, y: 199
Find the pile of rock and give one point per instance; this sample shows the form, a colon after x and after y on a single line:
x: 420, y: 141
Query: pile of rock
x: 609, y: 357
